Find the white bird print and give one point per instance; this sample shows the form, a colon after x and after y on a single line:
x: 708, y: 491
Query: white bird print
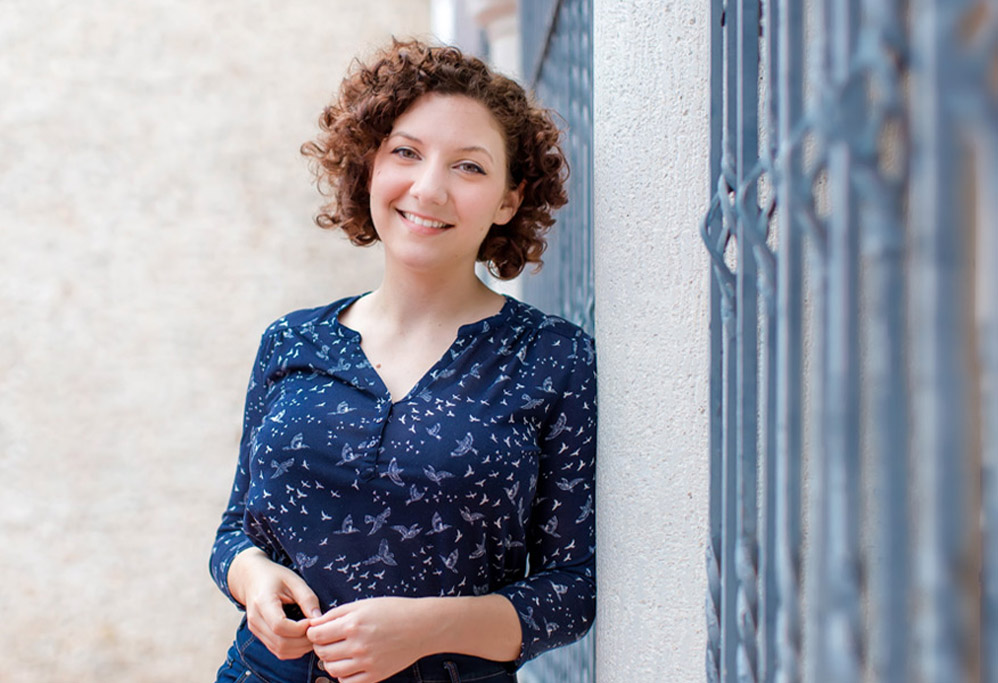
x: 347, y: 455
x: 435, y: 476
x: 547, y: 386
x: 512, y: 491
x: 342, y: 408
x: 470, y: 516
x: 438, y: 524
x: 279, y: 418
x: 587, y: 510
x: 530, y: 403
x: 347, y: 527
x: 558, y: 427
x: 550, y: 626
x: 478, y: 552
x: 393, y: 473
x: 304, y: 561
x: 415, y: 494
x: 528, y: 617
x: 550, y: 527
x: 384, y: 555
x: 297, y: 442
x: 451, y: 561
x: 281, y: 467
x: 464, y: 446
x: 434, y: 431
x: 565, y: 485
x: 323, y: 516
x: 407, y: 532
x: 377, y: 522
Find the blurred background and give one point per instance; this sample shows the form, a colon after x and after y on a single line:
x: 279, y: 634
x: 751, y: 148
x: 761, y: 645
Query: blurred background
x: 155, y: 216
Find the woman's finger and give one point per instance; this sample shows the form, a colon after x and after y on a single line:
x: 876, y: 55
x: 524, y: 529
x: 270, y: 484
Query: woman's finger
x: 334, y: 613
x: 343, y: 669
x: 306, y: 598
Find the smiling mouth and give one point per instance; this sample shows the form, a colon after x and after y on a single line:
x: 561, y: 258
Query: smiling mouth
x: 425, y: 222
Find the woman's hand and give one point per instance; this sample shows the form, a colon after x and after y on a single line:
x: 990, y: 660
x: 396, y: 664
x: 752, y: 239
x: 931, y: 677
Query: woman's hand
x: 265, y: 587
x: 369, y: 640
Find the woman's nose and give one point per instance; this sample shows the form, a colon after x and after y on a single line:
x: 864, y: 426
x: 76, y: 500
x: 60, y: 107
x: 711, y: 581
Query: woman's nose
x: 430, y: 184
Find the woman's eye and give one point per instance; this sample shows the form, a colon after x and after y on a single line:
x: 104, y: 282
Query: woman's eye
x: 471, y: 168
x: 405, y: 153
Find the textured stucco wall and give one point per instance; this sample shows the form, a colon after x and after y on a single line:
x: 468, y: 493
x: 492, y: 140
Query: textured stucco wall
x: 651, y: 146
x: 155, y: 216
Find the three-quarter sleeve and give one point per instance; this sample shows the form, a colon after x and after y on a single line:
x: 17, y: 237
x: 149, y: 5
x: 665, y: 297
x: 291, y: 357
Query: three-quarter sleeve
x: 556, y: 601
x: 231, y: 538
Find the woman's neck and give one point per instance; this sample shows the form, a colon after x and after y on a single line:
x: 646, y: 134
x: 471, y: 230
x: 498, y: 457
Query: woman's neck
x: 406, y: 299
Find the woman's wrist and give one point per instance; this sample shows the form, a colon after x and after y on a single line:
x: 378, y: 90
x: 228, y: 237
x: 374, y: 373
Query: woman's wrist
x: 238, y: 568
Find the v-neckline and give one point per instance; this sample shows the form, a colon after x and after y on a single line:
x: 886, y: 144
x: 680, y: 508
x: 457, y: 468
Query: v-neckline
x: 463, y: 331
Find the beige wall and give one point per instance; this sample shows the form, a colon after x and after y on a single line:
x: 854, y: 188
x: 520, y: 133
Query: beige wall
x: 651, y: 61
x: 154, y: 216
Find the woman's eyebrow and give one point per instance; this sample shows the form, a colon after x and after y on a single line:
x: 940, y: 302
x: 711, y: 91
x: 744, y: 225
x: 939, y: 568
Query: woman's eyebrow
x: 469, y: 148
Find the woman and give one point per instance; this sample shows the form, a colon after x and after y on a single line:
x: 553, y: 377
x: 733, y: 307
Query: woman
x: 406, y: 452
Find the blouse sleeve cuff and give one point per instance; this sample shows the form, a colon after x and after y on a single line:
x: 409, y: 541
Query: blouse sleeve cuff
x: 223, y: 560
x: 525, y: 610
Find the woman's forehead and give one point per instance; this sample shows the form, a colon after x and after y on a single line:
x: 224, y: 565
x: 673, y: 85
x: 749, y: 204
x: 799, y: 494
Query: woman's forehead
x: 459, y: 121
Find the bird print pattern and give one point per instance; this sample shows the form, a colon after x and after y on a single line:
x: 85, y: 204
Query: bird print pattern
x: 484, y: 468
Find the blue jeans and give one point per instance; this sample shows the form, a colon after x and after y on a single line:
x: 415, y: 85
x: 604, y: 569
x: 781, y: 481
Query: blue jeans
x: 249, y: 661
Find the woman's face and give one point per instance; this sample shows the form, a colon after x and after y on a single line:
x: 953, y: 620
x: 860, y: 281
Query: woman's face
x: 439, y: 182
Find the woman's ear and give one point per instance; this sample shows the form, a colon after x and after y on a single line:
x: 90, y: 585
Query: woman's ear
x: 510, y: 204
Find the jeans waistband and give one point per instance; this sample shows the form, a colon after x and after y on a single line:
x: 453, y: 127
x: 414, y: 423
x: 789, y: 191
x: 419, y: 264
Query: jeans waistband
x: 439, y: 668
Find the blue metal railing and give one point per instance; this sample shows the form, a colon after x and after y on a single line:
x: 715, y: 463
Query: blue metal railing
x: 853, y: 233
x: 557, y: 62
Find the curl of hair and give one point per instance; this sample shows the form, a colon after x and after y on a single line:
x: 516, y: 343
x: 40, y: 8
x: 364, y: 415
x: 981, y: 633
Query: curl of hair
x: 374, y: 95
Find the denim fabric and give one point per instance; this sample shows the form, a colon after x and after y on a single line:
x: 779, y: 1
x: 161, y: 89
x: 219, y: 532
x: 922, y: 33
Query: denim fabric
x: 249, y: 661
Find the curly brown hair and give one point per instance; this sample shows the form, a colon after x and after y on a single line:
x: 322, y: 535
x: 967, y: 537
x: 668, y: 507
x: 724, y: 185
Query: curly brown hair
x: 374, y: 95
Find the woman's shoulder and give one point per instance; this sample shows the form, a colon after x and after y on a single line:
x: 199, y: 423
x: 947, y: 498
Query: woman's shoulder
x: 533, y: 319
x: 306, y: 319
x: 548, y: 340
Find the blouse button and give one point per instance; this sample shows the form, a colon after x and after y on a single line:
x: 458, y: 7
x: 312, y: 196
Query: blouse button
x: 321, y: 664
x: 322, y: 679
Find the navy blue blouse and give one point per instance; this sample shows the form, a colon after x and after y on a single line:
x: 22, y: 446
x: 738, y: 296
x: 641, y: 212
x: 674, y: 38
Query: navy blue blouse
x: 484, y: 469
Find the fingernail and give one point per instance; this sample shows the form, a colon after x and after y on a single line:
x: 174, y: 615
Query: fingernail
x: 315, y: 613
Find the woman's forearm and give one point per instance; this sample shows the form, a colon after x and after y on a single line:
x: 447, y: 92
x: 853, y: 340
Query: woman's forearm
x: 485, y: 626
x: 241, y: 563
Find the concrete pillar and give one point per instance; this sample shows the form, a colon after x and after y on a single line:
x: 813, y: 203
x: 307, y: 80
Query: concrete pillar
x: 651, y: 173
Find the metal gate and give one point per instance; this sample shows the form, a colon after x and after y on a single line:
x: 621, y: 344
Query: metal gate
x: 558, y: 64
x: 853, y: 233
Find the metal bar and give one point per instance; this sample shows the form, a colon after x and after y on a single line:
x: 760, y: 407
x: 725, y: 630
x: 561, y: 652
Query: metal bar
x: 843, y: 641
x: 789, y: 343
x: 815, y: 631
x: 946, y: 576
x: 987, y: 227
x: 746, y: 75
x: 986, y: 146
x: 552, y: 23
x: 716, y: 518
x: 884, y: 261
x: 729, y: 578
x: 769, y: 597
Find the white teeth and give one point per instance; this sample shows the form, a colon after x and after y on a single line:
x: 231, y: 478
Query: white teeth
x: 422, y: 221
